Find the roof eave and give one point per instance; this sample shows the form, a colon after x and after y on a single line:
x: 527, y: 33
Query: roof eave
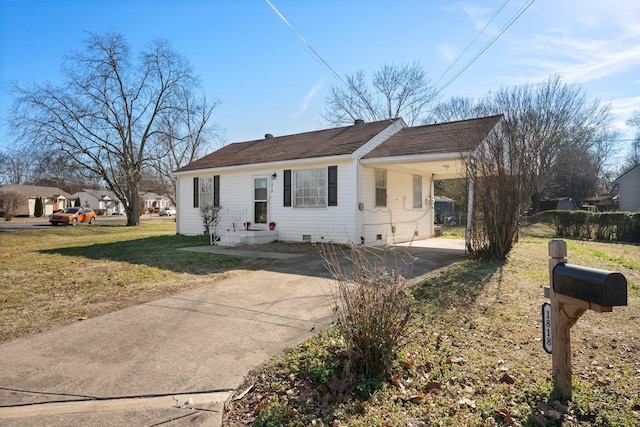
x: 414, y: 158
x: 278, y: 164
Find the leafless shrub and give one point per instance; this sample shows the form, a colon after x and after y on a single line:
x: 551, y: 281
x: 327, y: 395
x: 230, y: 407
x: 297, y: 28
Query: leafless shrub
x: 373, y: 308
x: 10, y: 201
x: 210, y: 218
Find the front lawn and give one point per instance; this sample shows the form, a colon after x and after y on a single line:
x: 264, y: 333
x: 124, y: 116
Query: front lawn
x: 474, y: 357
x: 54, y: 277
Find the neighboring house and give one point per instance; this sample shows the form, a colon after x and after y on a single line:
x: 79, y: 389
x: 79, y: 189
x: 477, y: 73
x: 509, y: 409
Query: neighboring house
x: 153, y: 202
x: 559, y: 203
x: 53, y: 198
x: 367, y: 183
x: 104, y: 202
x: 599, y: 204
x: 629, y: 190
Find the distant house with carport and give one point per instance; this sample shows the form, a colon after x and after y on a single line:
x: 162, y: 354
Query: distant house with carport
x: 53, y: 198
x: 368, y: 183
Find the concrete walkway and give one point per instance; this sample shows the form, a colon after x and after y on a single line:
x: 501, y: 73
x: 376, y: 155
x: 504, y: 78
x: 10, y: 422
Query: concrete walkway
x: 173, y: 361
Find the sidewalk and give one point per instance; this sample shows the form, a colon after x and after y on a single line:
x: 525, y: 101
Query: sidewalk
x: 174, y: 361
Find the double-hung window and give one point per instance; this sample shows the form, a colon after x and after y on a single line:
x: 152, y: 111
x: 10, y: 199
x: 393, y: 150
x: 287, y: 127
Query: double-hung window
x: 310, y: 188
x: 417, y: 191
x: 381, y: 187
x: 206, y: 191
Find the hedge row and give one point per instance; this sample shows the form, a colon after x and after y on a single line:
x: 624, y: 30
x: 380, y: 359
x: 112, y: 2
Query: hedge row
x: 614, y: 226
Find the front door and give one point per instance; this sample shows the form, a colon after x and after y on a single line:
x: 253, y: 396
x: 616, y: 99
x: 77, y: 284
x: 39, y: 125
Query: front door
x: 260, y: 194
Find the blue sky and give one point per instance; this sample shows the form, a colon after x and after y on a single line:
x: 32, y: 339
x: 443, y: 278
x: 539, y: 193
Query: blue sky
x: 269, y: 82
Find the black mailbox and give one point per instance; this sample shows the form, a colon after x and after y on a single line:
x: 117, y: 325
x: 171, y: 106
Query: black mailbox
x: 600, y: 287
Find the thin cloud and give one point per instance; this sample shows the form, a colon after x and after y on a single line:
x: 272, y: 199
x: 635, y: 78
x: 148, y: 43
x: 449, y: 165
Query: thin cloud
x: 304, y: 105
x: 447, y: 51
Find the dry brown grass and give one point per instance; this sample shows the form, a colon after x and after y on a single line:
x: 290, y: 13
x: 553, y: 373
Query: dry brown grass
x: 474, y: 356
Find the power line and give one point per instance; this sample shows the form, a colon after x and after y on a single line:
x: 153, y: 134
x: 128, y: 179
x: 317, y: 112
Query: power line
x: 491, y: 42
x: 472, y: 41
x: 315, y: 54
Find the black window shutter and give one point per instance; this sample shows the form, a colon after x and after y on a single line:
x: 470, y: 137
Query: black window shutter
x: 216, y: 191
x: 287, y: 188
x: 196, y: 192
x: 333, y: 185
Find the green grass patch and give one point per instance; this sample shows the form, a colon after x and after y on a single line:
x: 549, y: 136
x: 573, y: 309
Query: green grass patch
x: 57, y: 275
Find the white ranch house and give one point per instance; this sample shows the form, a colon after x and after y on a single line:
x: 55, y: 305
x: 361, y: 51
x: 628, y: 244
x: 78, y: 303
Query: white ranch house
x: 368, y: 183
x: 103, y: 201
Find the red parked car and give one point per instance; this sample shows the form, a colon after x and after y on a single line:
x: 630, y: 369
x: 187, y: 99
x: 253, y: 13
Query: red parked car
x: 73, y: 216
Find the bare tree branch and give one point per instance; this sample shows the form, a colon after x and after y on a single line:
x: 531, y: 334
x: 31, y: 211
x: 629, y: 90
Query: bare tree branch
x: 109, y: 113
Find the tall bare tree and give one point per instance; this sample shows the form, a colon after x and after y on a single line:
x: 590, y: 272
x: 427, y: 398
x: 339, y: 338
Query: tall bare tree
x: 394, y: 91
x: 185, y: 137
x: 633, y: 157
x: 15, y: 167
x: 109, y: 112
x: 553, y: 138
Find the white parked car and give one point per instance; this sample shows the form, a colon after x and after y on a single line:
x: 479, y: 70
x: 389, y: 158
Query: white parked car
x: 167, y: 212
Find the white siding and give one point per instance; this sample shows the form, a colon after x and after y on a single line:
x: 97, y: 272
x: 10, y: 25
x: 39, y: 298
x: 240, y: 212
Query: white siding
x: 629, y: 190
x: 331, y: 223
x: 399, y: 221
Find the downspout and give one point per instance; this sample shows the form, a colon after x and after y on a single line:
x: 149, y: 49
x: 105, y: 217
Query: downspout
x: 356, y: 224
x: 471, y: 173
x: 177, y: 204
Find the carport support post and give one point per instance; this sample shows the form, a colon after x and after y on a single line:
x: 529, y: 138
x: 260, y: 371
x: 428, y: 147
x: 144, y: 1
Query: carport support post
x: 560, y: 331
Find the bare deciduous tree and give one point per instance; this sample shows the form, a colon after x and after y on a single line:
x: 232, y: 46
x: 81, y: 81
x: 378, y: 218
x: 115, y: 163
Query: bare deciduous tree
x: 547, y: 129
x: 10, y: 201
x: 633, y: 157
x: 15, y: 167
x: 109, y: 112
x: 395, y: 91
x: 184, y: 138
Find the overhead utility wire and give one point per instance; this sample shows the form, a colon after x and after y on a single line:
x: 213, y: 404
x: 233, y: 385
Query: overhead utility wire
x: 315, y: 54
x: 472, y: 41
x: 493, y: 40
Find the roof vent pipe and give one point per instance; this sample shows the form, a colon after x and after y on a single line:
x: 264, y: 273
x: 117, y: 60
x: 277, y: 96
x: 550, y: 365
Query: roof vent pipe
x: 267, y: 135
x: 358, y: 122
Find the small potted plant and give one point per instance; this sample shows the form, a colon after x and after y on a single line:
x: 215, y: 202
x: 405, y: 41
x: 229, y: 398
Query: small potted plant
x: 272, y: 225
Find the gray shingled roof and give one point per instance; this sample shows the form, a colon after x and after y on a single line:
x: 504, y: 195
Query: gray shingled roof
x: 33, y: 191
x: 452, y: 137
x: 321, y: 143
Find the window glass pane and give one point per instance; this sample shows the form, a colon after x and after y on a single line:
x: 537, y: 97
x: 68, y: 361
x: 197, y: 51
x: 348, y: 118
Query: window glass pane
x: 381, y: 187
x: 206, y: 191
x: 417, y: 191
x: 310, y: 188
x: 260, y: 188
x: 260, y: 210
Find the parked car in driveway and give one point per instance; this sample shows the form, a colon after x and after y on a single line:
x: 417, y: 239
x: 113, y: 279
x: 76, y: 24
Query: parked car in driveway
x: 73, y: 216
x: 167, y: 212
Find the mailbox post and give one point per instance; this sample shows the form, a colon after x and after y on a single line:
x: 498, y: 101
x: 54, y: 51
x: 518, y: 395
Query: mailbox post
x: 573, y: 290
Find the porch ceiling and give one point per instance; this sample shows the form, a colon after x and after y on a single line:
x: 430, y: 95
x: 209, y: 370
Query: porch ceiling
x: 444, y: 167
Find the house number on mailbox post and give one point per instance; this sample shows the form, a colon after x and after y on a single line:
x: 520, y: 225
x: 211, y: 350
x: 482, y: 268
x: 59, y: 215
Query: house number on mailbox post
x: 573, y: 290
x: 546, y: 327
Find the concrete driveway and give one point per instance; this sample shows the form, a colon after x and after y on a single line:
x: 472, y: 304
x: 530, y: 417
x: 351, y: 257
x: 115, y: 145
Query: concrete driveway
x: 174, y: 361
